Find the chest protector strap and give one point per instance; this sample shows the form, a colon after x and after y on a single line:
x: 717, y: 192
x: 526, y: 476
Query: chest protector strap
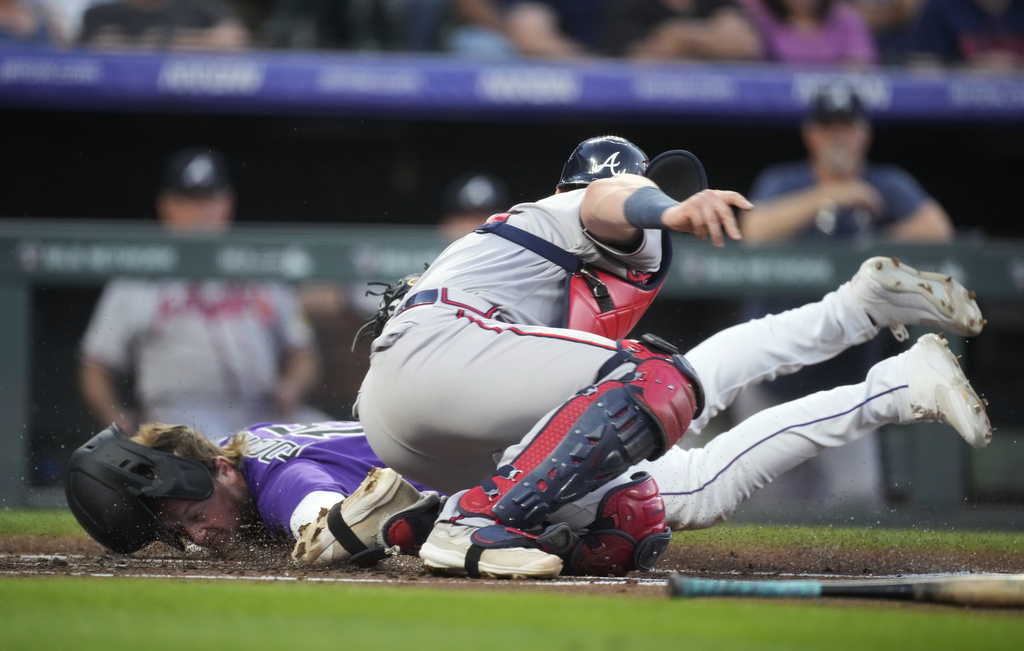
x: 599, y: 301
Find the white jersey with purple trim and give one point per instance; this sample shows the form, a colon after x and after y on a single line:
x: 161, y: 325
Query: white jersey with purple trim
x: 457, y: 386
x: 703, y: 486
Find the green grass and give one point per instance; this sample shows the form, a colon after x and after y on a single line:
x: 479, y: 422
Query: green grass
x: 110, y: 613
x: 161, y: 614
x: 834, y: 537
x: 39, y: 522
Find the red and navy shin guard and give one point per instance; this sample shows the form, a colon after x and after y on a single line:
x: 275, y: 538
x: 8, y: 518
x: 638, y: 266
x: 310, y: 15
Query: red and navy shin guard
x: 594, y: 437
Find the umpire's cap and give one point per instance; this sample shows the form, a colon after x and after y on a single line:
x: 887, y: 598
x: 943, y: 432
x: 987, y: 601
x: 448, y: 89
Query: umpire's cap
x: 599, y: 158
x: 111, y: 481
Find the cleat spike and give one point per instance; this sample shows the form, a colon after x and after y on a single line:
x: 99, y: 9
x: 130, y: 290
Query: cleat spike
x: 893, y: 294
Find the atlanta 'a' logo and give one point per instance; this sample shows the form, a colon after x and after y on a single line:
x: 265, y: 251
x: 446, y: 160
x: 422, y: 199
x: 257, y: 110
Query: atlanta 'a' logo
x: 612, y: 163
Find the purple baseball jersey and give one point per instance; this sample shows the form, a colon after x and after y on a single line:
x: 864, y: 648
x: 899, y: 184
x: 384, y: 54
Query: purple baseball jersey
x: 286, y: 462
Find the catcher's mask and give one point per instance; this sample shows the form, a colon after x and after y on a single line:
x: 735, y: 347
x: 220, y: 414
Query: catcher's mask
x: 600, y: 158
x: 111, y: 481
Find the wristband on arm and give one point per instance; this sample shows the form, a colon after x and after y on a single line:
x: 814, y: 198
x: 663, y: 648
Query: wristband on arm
x: 644, y: 207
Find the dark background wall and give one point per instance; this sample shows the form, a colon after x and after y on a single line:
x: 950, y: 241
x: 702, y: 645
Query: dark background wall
x: 323, y: 169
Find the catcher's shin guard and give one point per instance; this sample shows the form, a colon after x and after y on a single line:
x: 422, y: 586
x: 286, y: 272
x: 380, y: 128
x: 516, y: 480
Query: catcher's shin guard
x: 628, y: 534
x: 591, y: 439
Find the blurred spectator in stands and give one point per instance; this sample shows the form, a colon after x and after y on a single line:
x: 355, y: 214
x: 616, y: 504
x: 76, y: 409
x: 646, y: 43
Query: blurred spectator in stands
x: 306, y: 25
x: 891, y: 23
x: 813, y: 32
x: 469, y: 200
x: 680, y: 29
x: 836, y: 195
x: 66, y: 16
x: 837, y: 191
x: 981, y: 34
x: 160, y: 24
x: 22, y: 22
x: 478, y: 30
x: 363, y: 25
x: 215, y: 354
x: 555, y: 29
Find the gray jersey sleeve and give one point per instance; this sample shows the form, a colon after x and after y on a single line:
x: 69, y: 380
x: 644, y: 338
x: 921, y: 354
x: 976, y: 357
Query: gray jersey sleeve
x: 121, y: 313
x: 528, y: 288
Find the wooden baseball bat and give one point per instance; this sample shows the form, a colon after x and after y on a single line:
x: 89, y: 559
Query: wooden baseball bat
x: 983, y: 590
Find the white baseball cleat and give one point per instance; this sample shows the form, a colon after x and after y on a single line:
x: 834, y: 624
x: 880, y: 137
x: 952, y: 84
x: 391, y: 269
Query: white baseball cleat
x: 939, y: 391
x: 382, y: 494
x: 896, y: 295
x: 449, y: 549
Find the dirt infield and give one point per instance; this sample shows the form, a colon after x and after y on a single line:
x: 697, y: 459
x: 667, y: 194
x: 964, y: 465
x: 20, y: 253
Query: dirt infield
x: 41, y: 556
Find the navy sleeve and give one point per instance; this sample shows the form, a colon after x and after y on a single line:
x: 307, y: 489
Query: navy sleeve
x: 900, y: 191
x: 934, y: 32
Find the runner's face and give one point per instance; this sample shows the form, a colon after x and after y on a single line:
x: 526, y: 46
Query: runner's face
x: 218, y: 522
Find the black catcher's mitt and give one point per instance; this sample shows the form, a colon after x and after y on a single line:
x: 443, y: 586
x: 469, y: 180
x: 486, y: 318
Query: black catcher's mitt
x: 390, y: 298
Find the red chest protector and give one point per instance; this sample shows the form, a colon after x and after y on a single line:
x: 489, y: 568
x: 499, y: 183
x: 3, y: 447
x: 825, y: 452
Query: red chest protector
x: 599, y: 302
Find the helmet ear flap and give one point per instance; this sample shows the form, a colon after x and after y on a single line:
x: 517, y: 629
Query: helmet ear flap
x: 678, y: 173
x: 111, y: 481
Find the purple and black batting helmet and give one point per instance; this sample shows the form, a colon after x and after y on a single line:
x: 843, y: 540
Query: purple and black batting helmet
x: 600, y: 158
x: 112, y: 480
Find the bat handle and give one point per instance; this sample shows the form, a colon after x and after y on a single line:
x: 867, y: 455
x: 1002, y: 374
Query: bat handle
x: 681, y: 586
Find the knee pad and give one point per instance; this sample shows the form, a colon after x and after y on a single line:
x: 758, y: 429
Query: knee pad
x: 629, y: 533
x: 653, y: 344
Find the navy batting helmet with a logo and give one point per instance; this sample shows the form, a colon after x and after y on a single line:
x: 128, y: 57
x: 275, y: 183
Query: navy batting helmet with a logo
x: 599, y: 158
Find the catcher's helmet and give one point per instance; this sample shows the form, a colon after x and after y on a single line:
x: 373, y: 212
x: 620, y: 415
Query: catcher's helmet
x: 599, y: 158
x: 111, y: 480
